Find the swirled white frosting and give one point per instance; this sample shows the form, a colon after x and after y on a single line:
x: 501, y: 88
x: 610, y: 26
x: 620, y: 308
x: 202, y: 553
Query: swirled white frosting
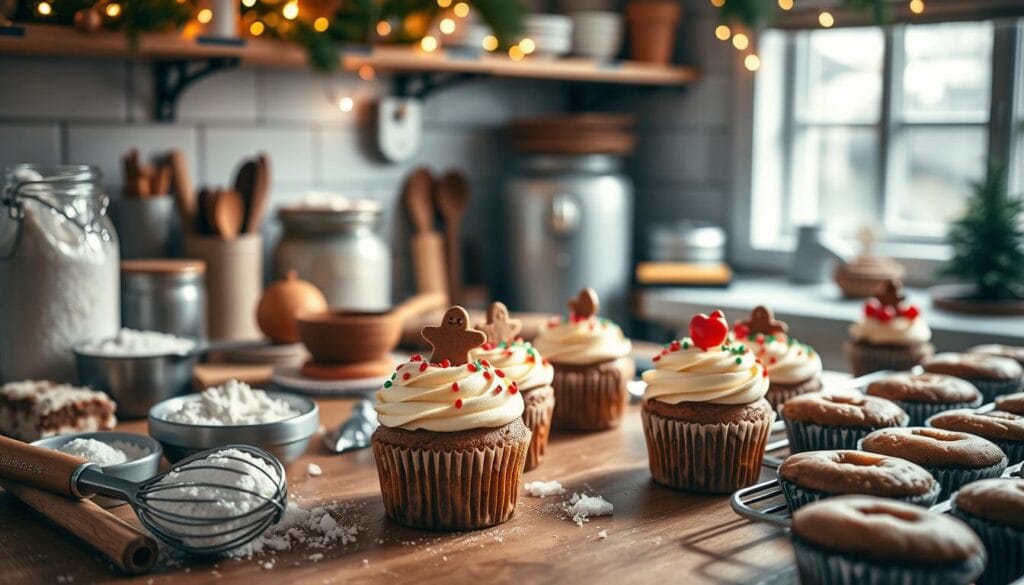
x: 728, y: 374
x: 582, y: 342
x: 788, y: 361
x: 896, y: 331
x: 448, y: 399
x: 520, y: 361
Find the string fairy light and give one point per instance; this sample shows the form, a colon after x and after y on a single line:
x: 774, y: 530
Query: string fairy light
x: 44, y: 9
x: 256, y: 28
x: 740, y: 41
x: 290, y: 10
x: 383, y: 28
x: 752, y: 62
x: 461, y: 10
x: 321, y: 24
x: 204, y: 16
x: 528, y: 46
x: 489, y: 43
x: 515, y: 52
x: 447, y: 26
x: 786, y: 4
x: 917, y: 6
x: 346, y: 104
x: 428, y: 43
x: 722, y: 32
x: 718, y: 3
x: 113, y: 10
x: 825, y: 19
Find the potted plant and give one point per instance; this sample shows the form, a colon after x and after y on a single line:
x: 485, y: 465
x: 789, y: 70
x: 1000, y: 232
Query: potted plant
x: 652, y: 29
x: 988, y: 252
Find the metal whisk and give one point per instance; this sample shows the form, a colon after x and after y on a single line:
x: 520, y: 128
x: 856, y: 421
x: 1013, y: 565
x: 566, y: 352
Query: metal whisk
x: 183, y: 507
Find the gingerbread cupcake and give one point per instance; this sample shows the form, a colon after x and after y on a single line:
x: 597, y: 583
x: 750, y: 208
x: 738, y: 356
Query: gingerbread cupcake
x: 994, y: 509
x: 526, y: 368
x: 1013, y: 352
x: 1012, y: 403
x: 592, y: 365
x: 923, y: 395
x: 1002, y: 428
x: 705, y: 418
x: 794, y: 368
x: 891, y: 336
x: 451, y: 445
x: 837, y: 420
x: 993, y: 375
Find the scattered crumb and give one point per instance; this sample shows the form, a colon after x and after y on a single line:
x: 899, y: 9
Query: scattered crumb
x: 216, y: 574
x: 444, y: 558
x: 542, y: 489
x: 366, y: 562
x: 315, y: 557
x: 603, y: 534
x: 499, y: 539
x: 268, y: 565
x: 582, y: 507
x: 314, y: 470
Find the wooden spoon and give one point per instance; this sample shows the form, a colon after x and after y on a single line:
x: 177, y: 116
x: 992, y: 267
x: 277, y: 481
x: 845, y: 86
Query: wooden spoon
x: 426, y: 244
x: 245, y: 182
x: 228, y: 214
x: 257, y: 205
x: 452, y: 199
x: 184, y: 195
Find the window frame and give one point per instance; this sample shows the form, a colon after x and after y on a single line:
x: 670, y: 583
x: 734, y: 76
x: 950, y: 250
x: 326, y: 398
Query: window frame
x: 921, y: 253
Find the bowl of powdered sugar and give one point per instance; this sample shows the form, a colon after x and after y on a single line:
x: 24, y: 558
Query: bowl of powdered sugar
x: 137, y: 368
x: 235, y: 414
x: 131, y: 457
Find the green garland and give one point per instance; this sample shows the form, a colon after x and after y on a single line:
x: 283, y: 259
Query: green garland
x: 135, y: 17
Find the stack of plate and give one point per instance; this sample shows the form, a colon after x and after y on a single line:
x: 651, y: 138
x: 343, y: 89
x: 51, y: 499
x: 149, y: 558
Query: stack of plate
x: 551, y: 34
x: 576, y: 134
x: 597, y: 35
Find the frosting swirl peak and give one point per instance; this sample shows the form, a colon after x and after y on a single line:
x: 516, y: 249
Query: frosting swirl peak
x: 582, y: 341
x: 726, y: 374
x: 519, y: 360
x: 788, y: 361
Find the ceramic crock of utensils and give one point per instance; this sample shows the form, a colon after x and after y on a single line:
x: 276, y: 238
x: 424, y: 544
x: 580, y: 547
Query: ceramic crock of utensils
x: 354, y: 433
x: 191, y: 528
x: 146, y: 227
x: 287, y: 439
x: 428, y: 257
x: 131, y: 551
x: 340, y: 337
x: 234, y: 282
x: 138, y: 469
x: 451, y: 197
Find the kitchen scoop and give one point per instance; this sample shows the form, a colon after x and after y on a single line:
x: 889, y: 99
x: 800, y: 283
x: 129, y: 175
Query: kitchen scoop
x: 177, y: 513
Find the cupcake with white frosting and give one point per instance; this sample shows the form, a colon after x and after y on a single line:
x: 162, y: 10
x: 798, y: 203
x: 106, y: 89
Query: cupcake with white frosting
x: 705, y: 417
x: 452, y: 444
x: 524, y: 366
x: 794, y: 368
x: 592, y: 365
x: 892, y: 335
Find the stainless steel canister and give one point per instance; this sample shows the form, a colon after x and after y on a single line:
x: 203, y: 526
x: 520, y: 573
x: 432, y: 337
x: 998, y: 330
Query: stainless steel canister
x: 164, y: 295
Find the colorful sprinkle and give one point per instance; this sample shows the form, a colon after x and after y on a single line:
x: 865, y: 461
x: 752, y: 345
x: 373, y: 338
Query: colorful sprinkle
x: 513, y: 388
x: 773, y: 361
x: 446, y: 363
x: 416, y: 358
x: 387, y: 384
x: 686, y: 345
x: 499, y: 373
x: 458, y: 403
x: 674, y: 346
x: 455, y: 386
x: 739, y: 361
x: 395, y: 375
x: 471, y: 367
x: 406, y: 376
x: 487, y: 375
x: 657, y: 358
x: 423, y: 367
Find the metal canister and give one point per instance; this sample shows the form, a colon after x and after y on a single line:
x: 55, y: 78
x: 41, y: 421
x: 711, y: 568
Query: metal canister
x: 164, y: 295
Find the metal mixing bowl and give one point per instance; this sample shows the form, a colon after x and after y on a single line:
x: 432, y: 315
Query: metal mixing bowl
x: 134, y: 470
x: 136, y: 383
x: 286, y: 438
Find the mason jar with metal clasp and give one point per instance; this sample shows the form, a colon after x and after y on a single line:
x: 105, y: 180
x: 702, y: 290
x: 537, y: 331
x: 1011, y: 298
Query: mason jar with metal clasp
x: 58, y: 270
x: 341, y: 251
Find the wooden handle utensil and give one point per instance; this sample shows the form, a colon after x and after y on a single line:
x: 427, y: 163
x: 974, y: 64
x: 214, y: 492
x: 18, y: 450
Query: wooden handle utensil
x: 43, y: 468
x: 184, y: 194
x: 228, y: 214
x: 132, y: 551
x: 428, y: 256
x: 452, y: 199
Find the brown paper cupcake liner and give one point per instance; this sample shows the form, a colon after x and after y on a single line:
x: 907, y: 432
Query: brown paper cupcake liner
x: 806, y: 436
x: 954, y: 479
x: 450, y: 490
x: 591, y: 398
x: 708, y: 458
x: 919, y: 412
x: 865, y: 359
x: 540, y: 406
x: 990, y: 389
x: 1003, y: 544
x: 798, y: 496
x: 779, y: 393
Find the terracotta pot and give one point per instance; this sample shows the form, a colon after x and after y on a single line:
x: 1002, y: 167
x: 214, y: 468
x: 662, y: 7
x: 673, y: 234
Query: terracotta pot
x: 652, y: 30
x: 282, y: 302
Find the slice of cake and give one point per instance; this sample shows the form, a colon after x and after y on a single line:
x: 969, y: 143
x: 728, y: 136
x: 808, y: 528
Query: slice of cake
x: 31, y: 410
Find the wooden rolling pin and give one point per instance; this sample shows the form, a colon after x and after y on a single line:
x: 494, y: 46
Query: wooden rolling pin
x: 132, y: 551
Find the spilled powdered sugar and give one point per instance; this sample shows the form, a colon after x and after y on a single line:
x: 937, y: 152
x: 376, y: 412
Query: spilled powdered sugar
x: 542, y: 489
x: 582, y: 507
x: 234, y: 403
x: 316, y: 527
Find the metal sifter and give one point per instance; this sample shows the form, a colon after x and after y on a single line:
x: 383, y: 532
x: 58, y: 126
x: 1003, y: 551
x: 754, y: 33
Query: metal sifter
x: 209, y: 503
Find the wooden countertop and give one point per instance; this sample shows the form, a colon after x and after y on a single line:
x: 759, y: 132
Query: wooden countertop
x: 656, y: 534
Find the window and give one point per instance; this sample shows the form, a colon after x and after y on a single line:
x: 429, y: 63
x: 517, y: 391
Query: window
x: 871, y: 126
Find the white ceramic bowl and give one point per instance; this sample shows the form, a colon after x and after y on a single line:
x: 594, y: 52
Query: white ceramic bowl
x: 597, y: 35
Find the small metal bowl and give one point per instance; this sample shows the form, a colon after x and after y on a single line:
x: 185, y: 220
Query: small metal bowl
x: 136, y: 383
x: 134, y: 470
x: 288, y: 438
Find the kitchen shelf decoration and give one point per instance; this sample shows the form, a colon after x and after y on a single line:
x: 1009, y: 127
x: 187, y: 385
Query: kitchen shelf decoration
x: 133, y: 17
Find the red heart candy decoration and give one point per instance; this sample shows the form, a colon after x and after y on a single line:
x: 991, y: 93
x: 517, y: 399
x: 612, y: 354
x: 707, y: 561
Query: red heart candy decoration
x: 709, y: 331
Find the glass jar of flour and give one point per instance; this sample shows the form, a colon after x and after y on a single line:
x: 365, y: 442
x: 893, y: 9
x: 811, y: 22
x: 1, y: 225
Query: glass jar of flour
x: 59, y: 270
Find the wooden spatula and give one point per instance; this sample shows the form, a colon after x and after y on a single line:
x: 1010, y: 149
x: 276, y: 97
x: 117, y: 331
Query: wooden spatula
x: 427, y: 244
x: 451, y: 196
x: 228, y: 214
x: 184, y: 195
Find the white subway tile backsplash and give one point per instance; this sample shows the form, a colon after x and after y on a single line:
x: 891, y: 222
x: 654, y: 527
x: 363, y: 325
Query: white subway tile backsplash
x: 229, y: 95
x: 29, y: 143
x: 673, y: 201
x: 72, y: 89
x: 475, y: 151
x: 103, y: 145
x: 672, y: 155
x: 701, y: 105
x: 347, y: 155
x: 290, y: 149
x: 493, y: 102
x: 305, y: 96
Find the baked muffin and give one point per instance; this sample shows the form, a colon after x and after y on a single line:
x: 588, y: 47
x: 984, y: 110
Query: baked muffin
x: 451, y: 445
x: 705, y: 418
x: 1007, y: 351
x: 953, y: 458
x: 793, y: 368
x: 923, y: 395
x: 837, y: 420
x: 993, y: 375
x: 1002, y: 428
x: 592, y: 365
x: 815, y: 475
x: 994, y: 509
x: 1013, y: 403
x: 892, y: 335
x: 853, y: 540
x: 523, y: 366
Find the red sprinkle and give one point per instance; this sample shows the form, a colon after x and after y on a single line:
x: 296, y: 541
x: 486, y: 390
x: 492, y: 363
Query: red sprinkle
x: 458, y: 403
x: 471, y: 367
x: 664, y: 352
x: 530, y: 359
x: 423, y: 367
x: 657, y: 358
x: 499, y: 373
x: 497, y: 390
x: 674, y: 346
x: 487, y: 346
x: 455, y: 386
x: 546, y: 362
x: 764, y: 373
x: 416, y: 358
x: 773, y: 360
x: 406, y: 376
x: 446, y: 363
x: 508, y: 352
x: 513, y: 388
x: 485, y: 363
x: 487, y: 375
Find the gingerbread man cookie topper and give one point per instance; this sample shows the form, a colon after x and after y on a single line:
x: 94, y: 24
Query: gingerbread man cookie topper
x: 891, y: 294
x: 500, y: 326
x: 453, y: 339
x: 762, y: 321
x: 585, y: 305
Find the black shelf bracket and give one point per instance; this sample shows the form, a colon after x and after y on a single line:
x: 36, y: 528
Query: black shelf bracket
x: 172, y: 78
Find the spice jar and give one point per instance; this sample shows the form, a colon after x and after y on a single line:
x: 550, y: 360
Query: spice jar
x: 164, y: 295
x: 340, y: 250
x: 58, y: 270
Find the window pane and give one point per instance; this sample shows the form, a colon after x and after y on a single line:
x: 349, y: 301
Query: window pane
x: 948, y: 69
x: 941, y: 165
x: 835, y: 172
x: 843, y: 80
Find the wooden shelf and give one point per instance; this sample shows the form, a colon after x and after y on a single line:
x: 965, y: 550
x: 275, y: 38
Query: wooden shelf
x: 69, y: 42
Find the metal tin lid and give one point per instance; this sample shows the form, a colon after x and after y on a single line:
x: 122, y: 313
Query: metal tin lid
x: 163, y: 266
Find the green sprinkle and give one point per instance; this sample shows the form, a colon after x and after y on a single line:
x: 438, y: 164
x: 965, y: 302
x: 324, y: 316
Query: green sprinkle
x: 395, y: 375
x: 739, y: 361
x: 387, y: 384
x: 686, y: 345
